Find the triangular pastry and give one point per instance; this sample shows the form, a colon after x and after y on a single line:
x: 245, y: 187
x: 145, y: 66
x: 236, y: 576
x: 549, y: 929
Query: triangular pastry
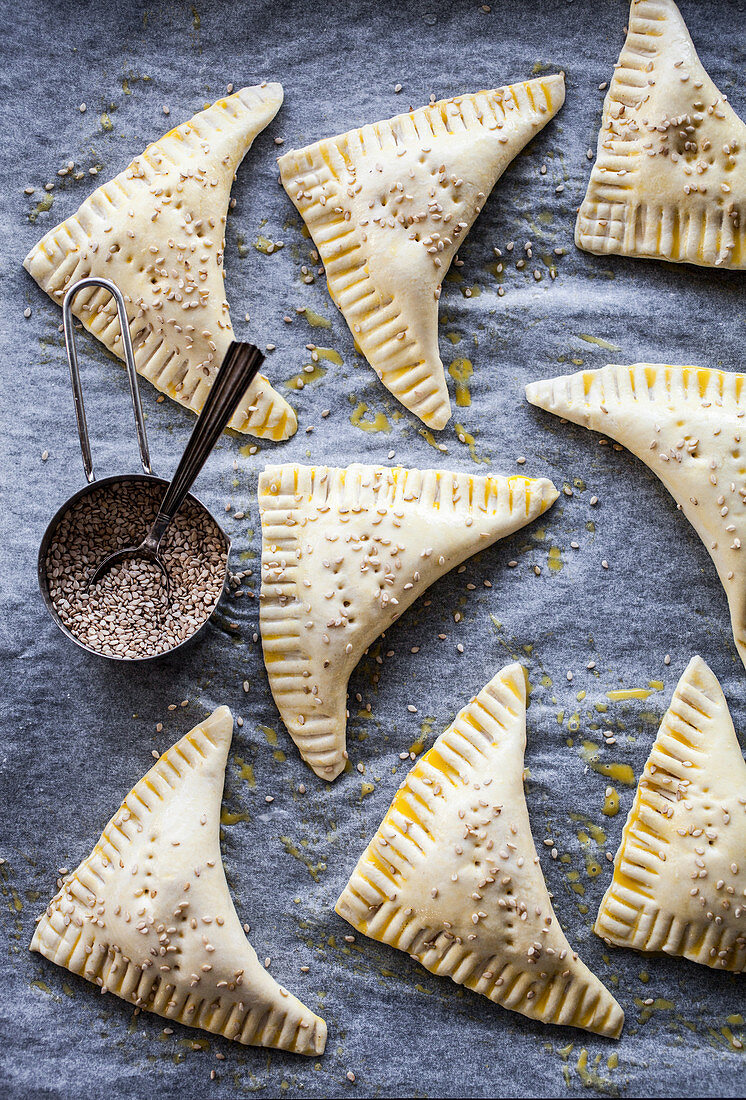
x: 158, y: 231
x: 669, y: 180
x: 344, y: 553
x: 148, y: 915
x: 452, y: 876
x: 686, y: 424
x: 389, y: 205
x: 679, y: 882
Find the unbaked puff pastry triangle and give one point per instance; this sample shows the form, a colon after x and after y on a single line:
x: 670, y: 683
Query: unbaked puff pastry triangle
x: 388, y: 206
x: 158, y: 231
x: 669, y: 181
x: 688, y: 424
x: 148, y: 915
x: 679, y: 882
x: 452, y: 876
x: 344, y: 553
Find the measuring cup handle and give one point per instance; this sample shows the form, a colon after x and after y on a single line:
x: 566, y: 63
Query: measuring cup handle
x: 129, y: 359
x: 241, y: 364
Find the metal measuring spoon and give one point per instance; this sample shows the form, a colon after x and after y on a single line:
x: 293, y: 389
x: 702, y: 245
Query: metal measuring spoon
x: 241, y: 364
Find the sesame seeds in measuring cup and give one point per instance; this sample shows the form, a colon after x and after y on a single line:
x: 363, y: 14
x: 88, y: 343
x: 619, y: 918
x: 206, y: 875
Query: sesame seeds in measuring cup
x: 128, y: 614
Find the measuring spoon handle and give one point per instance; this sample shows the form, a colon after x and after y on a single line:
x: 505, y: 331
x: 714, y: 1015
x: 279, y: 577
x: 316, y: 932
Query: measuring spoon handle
x: 241, y: 364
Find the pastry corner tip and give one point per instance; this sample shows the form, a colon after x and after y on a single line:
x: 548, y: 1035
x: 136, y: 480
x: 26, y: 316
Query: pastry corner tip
x: 550, y: 493
x: 699, y: 674
x: 534, y: 392
x: 219, y: 725
x: 437, y: 418
x: 615, y: 1023
x: 514, y: 677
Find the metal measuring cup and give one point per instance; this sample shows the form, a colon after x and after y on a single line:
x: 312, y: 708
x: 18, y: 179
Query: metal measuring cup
x: 133, y: 480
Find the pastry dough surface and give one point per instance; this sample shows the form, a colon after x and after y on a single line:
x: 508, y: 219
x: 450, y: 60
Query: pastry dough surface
x: 669, y: 180
x: 679, y: 882
x: 452, y: 876
x: 344, y: 553
x: 148, y: 915
x: 158, y: 231
x: 388, y: 206
x: 688, y: 424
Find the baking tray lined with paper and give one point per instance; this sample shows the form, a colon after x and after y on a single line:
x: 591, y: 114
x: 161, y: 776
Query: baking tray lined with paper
x: 612, y: 593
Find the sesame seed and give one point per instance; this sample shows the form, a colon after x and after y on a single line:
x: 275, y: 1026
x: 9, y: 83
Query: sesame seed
x: 82, y: 108
x: 166, y: 110
x: 128, y: 614
x: 411, y: 709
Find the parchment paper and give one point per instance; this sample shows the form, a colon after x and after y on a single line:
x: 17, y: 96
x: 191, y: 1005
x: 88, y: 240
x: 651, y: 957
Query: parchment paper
x: 76, y: 732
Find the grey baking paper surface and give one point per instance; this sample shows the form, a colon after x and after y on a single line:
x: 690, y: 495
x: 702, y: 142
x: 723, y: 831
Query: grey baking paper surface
x: 77, y: 732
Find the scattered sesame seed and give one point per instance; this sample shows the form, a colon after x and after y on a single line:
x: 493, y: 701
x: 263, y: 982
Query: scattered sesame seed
x: 166, y: 110
x: 667, y: 659
x: 268, y: 798
x: 398, y: 88
x: 411, y: 709
x: 351, y: 1076
x: 604, y: 564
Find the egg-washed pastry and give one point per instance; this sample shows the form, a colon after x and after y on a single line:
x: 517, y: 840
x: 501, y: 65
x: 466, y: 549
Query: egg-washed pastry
x: 687, y: 424
x: 148, y: 915
x: 344, y: 553
x: 669, y: 182
x: 679, y: 882
x: 158, y: 231
x: 452, y: 876
x: 389, y: 205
